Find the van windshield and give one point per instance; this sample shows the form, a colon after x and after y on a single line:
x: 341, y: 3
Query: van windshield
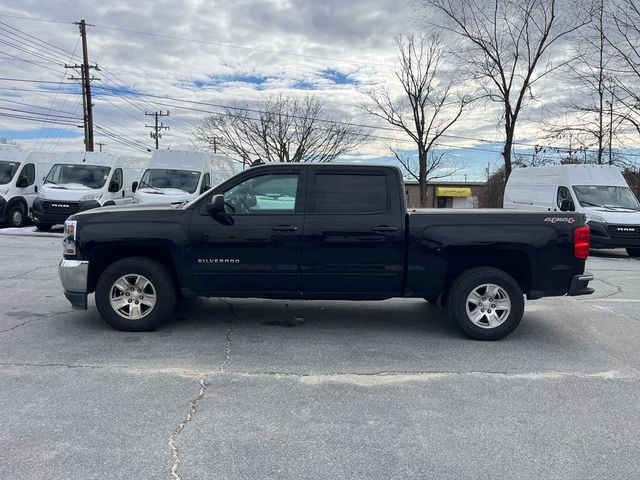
x: 7, y: 171
x: 606, y: 196
x: 184, y: 180
x: 90, y: 176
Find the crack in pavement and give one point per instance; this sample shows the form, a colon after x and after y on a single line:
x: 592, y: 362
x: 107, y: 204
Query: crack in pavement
x: 192, y: 405
x: 390, y: 375
x: 192, y: 410
x: 29, y: 271
x: 227, y: 335
x: 43, y: 317
x: 617, y: 287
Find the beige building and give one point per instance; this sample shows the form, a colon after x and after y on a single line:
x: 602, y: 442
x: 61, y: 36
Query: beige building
x: 445, y: 194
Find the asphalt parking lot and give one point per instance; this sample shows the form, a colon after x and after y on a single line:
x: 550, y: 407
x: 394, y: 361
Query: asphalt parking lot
x: 352, y: 390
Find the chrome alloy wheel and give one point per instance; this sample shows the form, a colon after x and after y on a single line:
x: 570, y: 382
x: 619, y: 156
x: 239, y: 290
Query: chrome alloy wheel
x: 132, y: 296
x: 488, y: 305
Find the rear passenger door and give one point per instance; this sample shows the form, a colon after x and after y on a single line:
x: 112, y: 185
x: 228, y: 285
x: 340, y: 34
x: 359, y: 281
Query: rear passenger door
x: 353, y: 239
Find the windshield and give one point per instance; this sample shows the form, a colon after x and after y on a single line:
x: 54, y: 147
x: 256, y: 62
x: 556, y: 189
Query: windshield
x: 7, y: 171
x: 606, y: 196
x: 184, y: 180
x: 91, y: 176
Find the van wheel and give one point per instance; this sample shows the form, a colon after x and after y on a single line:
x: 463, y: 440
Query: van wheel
x: 135, y: 294
x: 43, y: 227
x: 486, y: 303
x: 16, y: 216
x: 633, y: 252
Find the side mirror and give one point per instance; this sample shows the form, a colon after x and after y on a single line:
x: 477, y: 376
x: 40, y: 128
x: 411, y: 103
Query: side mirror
x: 23, y: 182
x: 134, y: 187
x: 114, y: 186
x: 566, y: 206
x: 216, y: 205
x: 204, y: 188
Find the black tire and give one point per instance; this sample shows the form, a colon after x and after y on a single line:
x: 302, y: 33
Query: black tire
x: 633, y: 252
x: 43, y: 227
x: 16, y: 216
x: 162, y: 284
x: 474, y: 279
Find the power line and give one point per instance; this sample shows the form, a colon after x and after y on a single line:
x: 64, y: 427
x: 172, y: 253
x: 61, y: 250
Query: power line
x: 371, y: 127
x: 32, y: 19
x: 32, y: 105
x: 218, y: 44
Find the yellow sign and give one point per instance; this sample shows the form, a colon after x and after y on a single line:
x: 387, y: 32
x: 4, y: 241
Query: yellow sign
x: 453, y: 192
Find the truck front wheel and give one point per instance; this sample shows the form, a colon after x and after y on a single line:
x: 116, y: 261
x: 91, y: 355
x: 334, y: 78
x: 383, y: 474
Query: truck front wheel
x: 135, y: 294
x: 486, y: 303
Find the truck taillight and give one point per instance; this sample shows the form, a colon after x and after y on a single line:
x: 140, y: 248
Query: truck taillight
x: 581, y: 240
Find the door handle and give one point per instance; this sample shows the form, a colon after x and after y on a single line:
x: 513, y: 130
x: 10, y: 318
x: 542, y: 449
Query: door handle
x: 384, y: 229
x: 284, y: 228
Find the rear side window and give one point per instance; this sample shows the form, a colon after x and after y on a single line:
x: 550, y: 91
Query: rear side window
x: 345, y: 193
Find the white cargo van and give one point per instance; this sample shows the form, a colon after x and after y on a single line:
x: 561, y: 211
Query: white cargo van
x: 83, y: 180
x: 598, y: 191
x: 21, y: 173
x: 176, y: 176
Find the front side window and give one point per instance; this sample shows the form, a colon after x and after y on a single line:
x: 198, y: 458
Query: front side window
x: 117, y: 177
x: 91, y: 176
x: 272, y: 193
x: 345, y: 193
x: 564, y: 195
x: 184, y: 180
x: 7, y: 171
x: 606, y: 196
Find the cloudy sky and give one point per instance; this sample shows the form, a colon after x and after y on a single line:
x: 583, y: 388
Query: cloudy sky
x: 215, y: 52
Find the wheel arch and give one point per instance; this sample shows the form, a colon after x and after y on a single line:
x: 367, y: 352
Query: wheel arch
x: 515, y: 262
x: 103, y: 256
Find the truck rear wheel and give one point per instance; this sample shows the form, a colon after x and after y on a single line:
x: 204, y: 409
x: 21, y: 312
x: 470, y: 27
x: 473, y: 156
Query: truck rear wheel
x: 135, y: 294
x: 633, y: 252
x: 17, y: 216
x: 486, y: 303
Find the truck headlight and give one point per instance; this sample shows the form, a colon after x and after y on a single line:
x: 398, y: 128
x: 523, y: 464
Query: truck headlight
x: 41, y: 195
x: 4, y: 191
x: 69, y: 237
x: 91, y: 196
x: 595, y: 218
x: 135, y: 199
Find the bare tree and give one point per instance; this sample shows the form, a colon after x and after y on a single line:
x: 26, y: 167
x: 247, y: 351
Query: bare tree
x: 508, y: 44
x: 626, y: 43
x: 591, y: 119
x: 284, y: 129
x: 422, y: 111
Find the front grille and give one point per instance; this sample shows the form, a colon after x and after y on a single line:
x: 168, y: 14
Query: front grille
x: 60, y: 207
x: 624, y: 231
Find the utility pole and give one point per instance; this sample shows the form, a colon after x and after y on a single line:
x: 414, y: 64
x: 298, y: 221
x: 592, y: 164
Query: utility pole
x: 100, y: 144
x: 86, y: 86
x: 157, y: 127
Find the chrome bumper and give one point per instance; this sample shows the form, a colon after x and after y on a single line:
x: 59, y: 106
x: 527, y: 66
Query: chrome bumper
x: 73, y: 276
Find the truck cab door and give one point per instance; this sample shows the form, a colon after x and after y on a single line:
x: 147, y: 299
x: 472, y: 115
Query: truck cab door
x: 353, y: 234
x: 255, y: 246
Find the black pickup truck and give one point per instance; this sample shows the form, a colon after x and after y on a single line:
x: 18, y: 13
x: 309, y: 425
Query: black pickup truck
x: 309, y: 231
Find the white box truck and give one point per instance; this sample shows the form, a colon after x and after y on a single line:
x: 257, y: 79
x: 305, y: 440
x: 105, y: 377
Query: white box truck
x: 80, y: 181
x: 598, y: 191
x: 177, y: 176
x: 21, y: 174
